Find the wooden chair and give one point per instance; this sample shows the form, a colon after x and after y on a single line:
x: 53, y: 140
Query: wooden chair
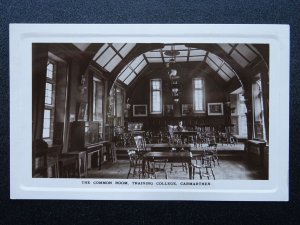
x: 135, y: 156
x: 171, y: 130
x: 212, y: 150
x: 140, y: 143
x: 203, y: 163
x: 135, y: 164
x: 154, y: 167
x: 182, y: 165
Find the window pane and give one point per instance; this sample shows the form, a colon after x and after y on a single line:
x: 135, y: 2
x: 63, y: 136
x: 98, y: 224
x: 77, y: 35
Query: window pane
x: 50, y: 68
x: 126, y: 49
x: 226, y: 47
x: 153, y: 54
x: 156, y: 97
x: 198, y: 98
x: 198, y: 83
x: 181, y: 59
x: 239, y: 59
x: 113, y: 63
x: 47, y: 123
x: 118, y: 46
x: 246, y: 52
x: 182, y: 53
x: 223, y: 75
x: 107, y: 55
x: 215, y: 59
x: 155, y: 85
x: 156, y: 104
x: 125, y: 74
x: 48, y: 94
x: 136, y: 62
x: 154, y: 60
x: 211, y: 64
x: 227, y: 70
x: 140, y: 67
x: 196, y: 58
x: 100, y: 51
x: 197, y: 52
x: 130, y: 78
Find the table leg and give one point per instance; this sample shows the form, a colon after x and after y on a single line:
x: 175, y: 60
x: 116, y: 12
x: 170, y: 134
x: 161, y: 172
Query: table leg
x: 143, y: 167
x: 190, y: 171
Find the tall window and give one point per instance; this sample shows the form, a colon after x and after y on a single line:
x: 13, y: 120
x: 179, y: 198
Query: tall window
x: 198, y: 94
x: 156, y: 96
x: 116, y: 106
x: 119, y: 106
x: 258, y: 110
x: 98, y: 95
x: 49, y: 100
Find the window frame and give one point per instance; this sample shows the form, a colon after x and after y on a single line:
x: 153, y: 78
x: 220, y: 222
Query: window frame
x: 151, y: 93
x: 51, y: 106
x: 261, y: 102
x: 203, y: 95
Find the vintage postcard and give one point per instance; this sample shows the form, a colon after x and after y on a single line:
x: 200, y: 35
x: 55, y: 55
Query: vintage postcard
x: 149, y: 112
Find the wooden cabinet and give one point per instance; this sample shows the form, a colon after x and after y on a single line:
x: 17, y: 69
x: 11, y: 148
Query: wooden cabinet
x: 94, y: 156
x: 81, y: 166
x: 83, y: 134
x: 40, y: 163
x: 85, y: 145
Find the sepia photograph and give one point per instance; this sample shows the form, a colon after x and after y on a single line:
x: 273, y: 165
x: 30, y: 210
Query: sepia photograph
x: 156, y: 114
x: 192, y: 144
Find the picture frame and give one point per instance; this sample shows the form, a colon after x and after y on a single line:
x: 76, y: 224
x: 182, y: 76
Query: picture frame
x: 186, y: 109
x: 168, y: 110
x: 140, y: 110
x: 215, y: 109
x: 82, y: 111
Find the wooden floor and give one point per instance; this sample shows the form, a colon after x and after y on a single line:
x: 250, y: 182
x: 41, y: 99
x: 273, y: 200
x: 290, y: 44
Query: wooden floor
x: 234, y: 165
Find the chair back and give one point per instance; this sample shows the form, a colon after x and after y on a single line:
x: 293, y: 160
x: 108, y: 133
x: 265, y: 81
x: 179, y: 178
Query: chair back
x: 140, y: 143
x: 132, y: 157
x: 171, y: 130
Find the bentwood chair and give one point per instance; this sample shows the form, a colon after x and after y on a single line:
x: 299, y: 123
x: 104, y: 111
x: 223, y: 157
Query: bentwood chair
x: 213, y: 152
x: 171, y: 130
x: 155, y: 167
x: 135, y: 164
x: 203, y: 165
x: 140, y: 143
x: 182, y: 165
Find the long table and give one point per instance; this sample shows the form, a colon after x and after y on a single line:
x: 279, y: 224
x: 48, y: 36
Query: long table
x: 169, y: 147
x: 171, y: 157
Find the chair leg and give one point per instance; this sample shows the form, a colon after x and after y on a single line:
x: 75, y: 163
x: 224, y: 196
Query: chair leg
x: 212, y: 172
x: 128, y: 172
x: 200, y: 173
x: 193, y: 173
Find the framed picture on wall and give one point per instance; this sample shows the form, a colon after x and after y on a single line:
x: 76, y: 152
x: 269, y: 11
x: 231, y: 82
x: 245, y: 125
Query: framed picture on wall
x: 168, y: 110
x: 187, y: 109
x: 82, y: 111
x: 215, y: 109
x: 140, y: 110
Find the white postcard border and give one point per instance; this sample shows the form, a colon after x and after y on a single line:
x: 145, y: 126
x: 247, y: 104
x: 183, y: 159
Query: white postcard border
x: 23, y: 186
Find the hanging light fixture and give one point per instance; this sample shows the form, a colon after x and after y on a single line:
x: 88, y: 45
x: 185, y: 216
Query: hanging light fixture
x: 171, y: 65
x: 173, y: 72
